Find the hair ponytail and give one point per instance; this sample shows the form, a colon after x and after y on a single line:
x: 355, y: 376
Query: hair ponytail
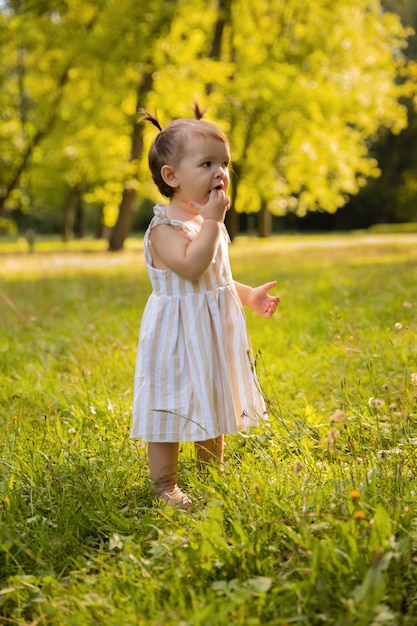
x: 148, y: 117
x: 198, y: 113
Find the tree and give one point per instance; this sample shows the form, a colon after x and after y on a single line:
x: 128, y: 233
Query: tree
x: 92, y: 111
x: 301, y: 89
x: 35, y: 72
x: 309, y: 103
x: 393, y: 196
x: 300, y: 108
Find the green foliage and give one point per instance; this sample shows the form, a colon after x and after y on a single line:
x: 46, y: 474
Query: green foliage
x: 314, y: 102
x: 313, y: 519
x: 307, y: 87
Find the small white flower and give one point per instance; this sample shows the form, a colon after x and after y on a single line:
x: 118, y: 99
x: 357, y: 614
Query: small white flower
x: 115, y: 542
x: 376, y: 403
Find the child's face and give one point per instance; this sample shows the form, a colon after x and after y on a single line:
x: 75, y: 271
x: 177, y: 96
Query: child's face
x: 204, y: 166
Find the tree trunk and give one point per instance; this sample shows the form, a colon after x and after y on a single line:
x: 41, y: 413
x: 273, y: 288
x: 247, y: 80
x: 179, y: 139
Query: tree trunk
x: 232, y: 219
x: 231, y: 223
x: 224, y: 8
x: 264, y: 221
x: 127, y: 204
x: 124, y: 220
x: 67, y: 230
x: 102, y: 231
x: 79, y: 217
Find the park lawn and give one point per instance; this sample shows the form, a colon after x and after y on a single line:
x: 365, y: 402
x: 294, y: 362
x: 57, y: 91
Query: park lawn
x: 313, y: 520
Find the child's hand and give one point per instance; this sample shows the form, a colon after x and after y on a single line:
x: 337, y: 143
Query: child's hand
x: 261, y: 302
x: 216, y: 206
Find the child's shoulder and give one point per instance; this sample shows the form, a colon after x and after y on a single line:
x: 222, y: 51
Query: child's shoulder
x: 189, y: 227
x: 161, y: 226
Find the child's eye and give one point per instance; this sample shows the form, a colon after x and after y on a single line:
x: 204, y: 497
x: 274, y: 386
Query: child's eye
x: 207, y: 164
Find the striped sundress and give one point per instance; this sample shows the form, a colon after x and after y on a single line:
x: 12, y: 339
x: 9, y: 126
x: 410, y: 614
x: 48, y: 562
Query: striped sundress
x: 194, y: 376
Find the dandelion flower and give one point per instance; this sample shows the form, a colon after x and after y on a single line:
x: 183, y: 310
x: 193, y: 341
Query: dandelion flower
x: 376, y: 403
x: 398, y: 326
x: 354, y: 494
x: 338, y: 416
x: 332, y: 435
x: 298, y: 467
x: 359, y: 515
x: 6, y: 500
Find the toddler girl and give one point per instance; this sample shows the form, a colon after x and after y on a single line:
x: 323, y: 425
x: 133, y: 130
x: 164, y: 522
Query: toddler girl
x: 195, y: 377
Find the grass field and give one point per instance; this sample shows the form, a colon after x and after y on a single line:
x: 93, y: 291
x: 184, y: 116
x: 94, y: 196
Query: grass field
x: 314, y: 520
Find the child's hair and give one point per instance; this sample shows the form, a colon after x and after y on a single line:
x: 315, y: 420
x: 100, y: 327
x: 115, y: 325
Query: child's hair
x: 168, y: 146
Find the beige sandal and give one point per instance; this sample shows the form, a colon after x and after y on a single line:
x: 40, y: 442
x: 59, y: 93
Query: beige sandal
x: 176, y: 498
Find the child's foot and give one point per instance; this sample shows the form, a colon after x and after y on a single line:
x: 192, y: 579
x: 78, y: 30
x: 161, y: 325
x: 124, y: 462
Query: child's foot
x: 176, y: 498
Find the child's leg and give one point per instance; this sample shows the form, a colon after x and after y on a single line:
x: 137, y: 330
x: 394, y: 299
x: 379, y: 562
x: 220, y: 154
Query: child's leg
x: 163, y: 462
x: 210, y: 449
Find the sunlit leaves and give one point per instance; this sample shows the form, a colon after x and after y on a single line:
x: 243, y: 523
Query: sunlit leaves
x: 318, y: 84
x: 300, y: 87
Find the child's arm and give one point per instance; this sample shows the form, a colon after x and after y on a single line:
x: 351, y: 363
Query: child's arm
x: 258, y: 299
x: 190, y: 258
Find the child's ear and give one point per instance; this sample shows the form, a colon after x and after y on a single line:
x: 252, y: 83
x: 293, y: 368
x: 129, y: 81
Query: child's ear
x: 168, y: 175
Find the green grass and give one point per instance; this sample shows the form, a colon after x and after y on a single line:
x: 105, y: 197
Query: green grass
x: 313, y: 520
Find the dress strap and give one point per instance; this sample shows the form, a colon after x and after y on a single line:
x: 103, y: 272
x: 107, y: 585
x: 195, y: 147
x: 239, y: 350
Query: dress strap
x: 160, y: 217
